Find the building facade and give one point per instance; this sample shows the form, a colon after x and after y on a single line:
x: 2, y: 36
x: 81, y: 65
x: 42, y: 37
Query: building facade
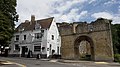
x: 38, y: 36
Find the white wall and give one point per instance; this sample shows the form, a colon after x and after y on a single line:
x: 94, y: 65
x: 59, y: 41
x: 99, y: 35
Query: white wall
x: 21, y: 38
x: 53, y: 30
x: 46, y: 40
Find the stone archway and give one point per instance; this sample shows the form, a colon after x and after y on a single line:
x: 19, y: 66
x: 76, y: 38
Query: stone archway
x: 84, y: 48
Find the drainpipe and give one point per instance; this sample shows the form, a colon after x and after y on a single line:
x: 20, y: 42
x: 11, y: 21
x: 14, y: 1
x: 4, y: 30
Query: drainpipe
x: 20, y: 51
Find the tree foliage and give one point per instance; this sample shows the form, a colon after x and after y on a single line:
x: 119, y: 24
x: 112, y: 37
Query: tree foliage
x: 8, y: 16
x: 116, y: 38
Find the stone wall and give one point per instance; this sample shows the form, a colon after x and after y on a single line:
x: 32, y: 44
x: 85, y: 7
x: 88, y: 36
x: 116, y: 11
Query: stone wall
x: 100, y: 33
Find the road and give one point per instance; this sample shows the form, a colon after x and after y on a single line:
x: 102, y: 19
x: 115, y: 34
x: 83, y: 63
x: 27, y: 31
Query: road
x: 28, y: 62
x: 32, y: 62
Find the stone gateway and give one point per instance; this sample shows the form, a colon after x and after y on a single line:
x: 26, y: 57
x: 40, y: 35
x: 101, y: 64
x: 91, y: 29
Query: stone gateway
x: 87, y: 41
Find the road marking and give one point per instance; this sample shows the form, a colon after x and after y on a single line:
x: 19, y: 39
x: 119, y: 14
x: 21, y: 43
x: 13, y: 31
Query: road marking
x: 101, y: 62
x: 16, y: 64
x: 6, y: 63
x: 53, y: 60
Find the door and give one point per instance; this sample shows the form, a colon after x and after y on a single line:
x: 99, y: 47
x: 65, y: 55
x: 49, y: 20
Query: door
x: 23, y: 51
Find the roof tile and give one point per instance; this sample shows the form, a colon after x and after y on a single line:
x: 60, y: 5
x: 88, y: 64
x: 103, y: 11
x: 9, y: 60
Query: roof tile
x: 44, y: 23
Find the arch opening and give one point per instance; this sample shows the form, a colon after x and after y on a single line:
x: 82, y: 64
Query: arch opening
x: 84, y: 48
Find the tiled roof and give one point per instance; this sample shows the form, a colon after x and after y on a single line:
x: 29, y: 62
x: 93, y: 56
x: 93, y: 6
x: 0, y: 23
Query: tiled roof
x: 26, y: 26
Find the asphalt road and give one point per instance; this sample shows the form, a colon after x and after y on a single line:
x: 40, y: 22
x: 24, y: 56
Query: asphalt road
x: 28, y: 62
x: 32, y: 62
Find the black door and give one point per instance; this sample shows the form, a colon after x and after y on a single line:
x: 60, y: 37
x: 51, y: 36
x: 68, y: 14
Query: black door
x: 23, y: 51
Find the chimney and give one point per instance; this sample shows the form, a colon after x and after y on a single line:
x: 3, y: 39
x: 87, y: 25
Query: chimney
x: 32, y: 18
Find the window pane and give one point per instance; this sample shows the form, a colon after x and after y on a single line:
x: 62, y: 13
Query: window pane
x: 42, y: 31
x: 52, y: 37
x: 24, y: 37
x: 38, y: 35
x: 17, y: 37
x: 17, y: 47
x: 37, y: 48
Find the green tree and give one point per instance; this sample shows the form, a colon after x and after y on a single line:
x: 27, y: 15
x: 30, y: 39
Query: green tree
x: 116, y: 38
x: 8, y: 16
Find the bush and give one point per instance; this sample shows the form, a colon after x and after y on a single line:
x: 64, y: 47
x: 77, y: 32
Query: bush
x: 117, y: 58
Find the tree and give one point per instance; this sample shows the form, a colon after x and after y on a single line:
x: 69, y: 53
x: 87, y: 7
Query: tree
x: 116, y: 38
x: 8, y: 16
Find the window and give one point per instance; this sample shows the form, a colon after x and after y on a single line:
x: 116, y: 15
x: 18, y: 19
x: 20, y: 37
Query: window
x: 43, y: 49
x: 17, y: 47
x: 24, y: 49
x: 58, y: 50
x: 17, y: 37
x: 52, y: 37
x: 37, y: 48
x: 37, y: 26
x: 50, y: 47
x: 38, y: 35
x: 42, y: 31
x: 24, y: 37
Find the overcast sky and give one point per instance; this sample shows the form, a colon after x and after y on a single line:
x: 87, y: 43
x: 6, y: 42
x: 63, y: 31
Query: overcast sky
x: 69, y: 10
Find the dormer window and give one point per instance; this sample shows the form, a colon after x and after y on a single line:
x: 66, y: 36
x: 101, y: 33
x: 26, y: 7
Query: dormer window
x: 37, y: 26
x: 42, y: 31
x: 38, y: 35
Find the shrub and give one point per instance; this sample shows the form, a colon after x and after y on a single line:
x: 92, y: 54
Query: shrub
x: 117, y: 58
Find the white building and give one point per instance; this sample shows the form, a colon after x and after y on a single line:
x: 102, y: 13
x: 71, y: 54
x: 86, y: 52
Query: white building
x: 38, y: 36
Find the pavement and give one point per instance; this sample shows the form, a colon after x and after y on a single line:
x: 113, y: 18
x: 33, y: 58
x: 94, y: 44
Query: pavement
x: 61, y: 61
x: 86, y: 63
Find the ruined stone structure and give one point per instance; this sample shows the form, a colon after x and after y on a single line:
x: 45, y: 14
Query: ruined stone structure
x: 81, y: 40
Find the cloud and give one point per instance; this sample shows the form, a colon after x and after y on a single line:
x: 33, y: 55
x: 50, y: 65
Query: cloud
x: 102, y: 15
x: 72, y: 16
x: 67, y: 5
x: 116, y: 20
x: 39, y: 8
x: 68, y: 17
x: 119, y: 9
x: 83, y: 13
x: 91, y: 1
x: 110, y: 2
x: 60, y: 9
x: 67, y: 10
x: 115, y: 17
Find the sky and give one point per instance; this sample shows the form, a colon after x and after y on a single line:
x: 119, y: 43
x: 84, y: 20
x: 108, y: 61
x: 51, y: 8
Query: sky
x: 69, y: 10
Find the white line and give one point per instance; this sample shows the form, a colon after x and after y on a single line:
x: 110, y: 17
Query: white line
x: 17, y: 64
